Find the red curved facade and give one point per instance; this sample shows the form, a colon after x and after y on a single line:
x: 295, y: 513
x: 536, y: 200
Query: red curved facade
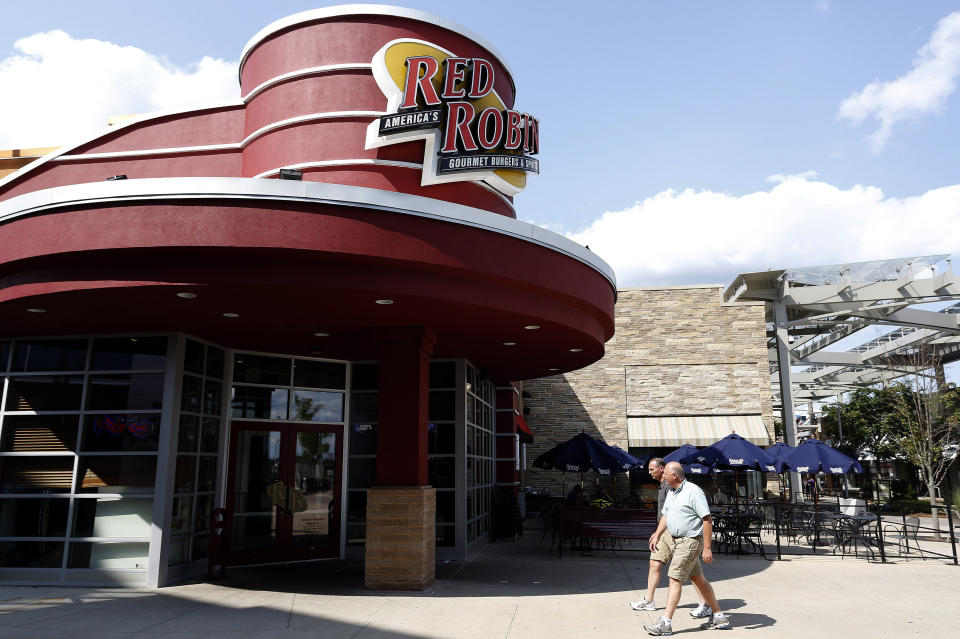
x: 201, y: 212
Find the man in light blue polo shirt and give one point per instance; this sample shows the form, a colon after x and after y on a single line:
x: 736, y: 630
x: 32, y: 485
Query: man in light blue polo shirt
x: 686, y: 516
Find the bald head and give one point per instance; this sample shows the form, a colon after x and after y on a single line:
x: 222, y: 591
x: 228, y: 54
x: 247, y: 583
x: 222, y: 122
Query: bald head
x: 673, y: 474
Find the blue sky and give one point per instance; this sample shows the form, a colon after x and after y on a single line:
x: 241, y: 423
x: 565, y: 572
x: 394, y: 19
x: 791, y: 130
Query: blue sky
x: 685, y: 142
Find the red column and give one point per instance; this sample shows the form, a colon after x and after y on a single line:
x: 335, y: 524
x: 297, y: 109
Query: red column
x: 404, y: 396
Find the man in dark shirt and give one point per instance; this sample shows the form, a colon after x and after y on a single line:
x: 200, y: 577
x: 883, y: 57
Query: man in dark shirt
x: 661, y: 556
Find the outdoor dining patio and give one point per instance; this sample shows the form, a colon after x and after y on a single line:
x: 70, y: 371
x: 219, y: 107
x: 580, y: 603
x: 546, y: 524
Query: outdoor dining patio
x: 770, y: 528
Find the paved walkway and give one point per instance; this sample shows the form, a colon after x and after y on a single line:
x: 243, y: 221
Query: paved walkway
x: 517, y: 590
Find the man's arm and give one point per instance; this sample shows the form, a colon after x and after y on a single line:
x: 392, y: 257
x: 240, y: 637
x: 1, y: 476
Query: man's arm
x: 707, y: 539
x: 655, y: 537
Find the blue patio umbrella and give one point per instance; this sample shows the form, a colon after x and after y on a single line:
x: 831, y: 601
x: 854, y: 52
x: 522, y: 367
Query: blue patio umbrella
x: 735, y: 453
x: 813, y: 456
x: 684, y: 451
x: 779, y: 452
x: 583, y: 453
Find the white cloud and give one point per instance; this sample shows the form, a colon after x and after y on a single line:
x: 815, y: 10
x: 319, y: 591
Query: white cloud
x: 57, y: 88
x: 778, y: 178
x: 697, y: 237
x: 822, y: 6
x: 922, y: 90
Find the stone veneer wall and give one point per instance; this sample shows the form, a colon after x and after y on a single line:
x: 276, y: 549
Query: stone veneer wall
x: 401, y: 538
x: 676, y: 351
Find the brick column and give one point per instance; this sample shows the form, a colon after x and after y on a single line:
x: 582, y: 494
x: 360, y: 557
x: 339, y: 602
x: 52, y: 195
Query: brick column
x: 400, y: 549
x: 401, y: 538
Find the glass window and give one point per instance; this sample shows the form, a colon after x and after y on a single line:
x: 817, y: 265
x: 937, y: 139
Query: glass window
x: 442, y: 472
x: 446, y: 536
x: 35, y: 474
x: 363, y: 407
x: 125, y: 392
x: 33, y: 517
x: 207, y: 474
x: 210, y: 435
x: 443, y: 374
x: 259, y: 403
x: 261, y: 369
x: 357, y: 506
x: 50, y: 355
x: 446, y: 506
x: 442, y: 439
x: 201, y: 546
x: 37, y: 433
x: 201, y: 521
x: 31, y: 554
x: 112, y: 517
x: 117, y: 474
x: 178, y: 550
x: 212, y: 393
x: 4, y: 355
x: 108, y: 555
x: 185, y: 474
x: 45, y: 392
x: 214, y: 366
x: 364, y: 377
x: 181, y: 516
x: 190, y: 393
x: 119, y: 432
x: 443, y: 405
x: 187, y: 439
x: 363, y: 439
x: 363, y: 472
x: 317, y: 406
x: 313, y: 374
x: 193, y: 357
x: 123, y: 353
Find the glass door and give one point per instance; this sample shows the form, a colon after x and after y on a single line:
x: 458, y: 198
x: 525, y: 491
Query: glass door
x: 283, y: 492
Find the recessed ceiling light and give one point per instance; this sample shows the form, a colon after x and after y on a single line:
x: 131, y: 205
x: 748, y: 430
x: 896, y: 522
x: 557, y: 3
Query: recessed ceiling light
x: 509, y: 343
x: 187, y: 296
x: 384, y: 302
x: 531, y: 327
x: 36, y: 310
x: 321, y: 334
x: 230, y: 315
x: 575, y: 350
x: 553, y: 369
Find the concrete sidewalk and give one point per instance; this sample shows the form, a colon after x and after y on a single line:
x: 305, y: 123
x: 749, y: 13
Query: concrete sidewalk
x: 518, y: 590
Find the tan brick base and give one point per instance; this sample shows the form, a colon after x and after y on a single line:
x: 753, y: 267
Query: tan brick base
x: 401, y: 538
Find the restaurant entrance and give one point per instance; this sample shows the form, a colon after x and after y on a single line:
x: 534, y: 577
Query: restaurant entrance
x: 283, y: 492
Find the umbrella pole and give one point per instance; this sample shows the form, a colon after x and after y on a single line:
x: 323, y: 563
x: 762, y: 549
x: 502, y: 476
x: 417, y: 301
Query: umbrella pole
x: 736, y: 501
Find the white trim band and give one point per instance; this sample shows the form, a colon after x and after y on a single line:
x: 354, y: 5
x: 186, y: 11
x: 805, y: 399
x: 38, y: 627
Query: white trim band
x: 352, y: 162
x: 93, y: 193
x: 235, y: 146
x: 369, y: 9
x: 303, y: 73
x: 310, y: 117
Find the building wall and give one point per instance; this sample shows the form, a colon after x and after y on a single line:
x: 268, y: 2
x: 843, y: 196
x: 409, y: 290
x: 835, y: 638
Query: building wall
x: 676, y: 351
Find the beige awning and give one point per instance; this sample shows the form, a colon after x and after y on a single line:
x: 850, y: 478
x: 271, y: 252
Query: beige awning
x: 652, y: 432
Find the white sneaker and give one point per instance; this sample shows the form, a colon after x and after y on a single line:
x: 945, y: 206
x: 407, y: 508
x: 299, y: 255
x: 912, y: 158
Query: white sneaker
x: 701, y: 611
x: 643, y: 604
x: 661, y: 628
x: 718, y: 621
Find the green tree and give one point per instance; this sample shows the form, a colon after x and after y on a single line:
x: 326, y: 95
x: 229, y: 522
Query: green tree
x: 929, y: 411
x: 870, y: 422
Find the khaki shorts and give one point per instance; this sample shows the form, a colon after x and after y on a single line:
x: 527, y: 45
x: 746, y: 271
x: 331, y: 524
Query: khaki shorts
x: 664, y: 550
x: 686, y: 558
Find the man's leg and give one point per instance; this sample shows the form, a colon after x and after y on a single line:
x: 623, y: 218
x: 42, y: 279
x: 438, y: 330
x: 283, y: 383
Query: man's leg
x: 653, y: 578
x: 706, y: 591
x: 673, y: 598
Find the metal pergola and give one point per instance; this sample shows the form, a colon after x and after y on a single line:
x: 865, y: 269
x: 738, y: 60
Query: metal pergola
x: 809, y: 309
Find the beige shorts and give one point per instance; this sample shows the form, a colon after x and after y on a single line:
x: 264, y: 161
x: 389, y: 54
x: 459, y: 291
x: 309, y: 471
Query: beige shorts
x: 686, y: 558
x: 664, y: 550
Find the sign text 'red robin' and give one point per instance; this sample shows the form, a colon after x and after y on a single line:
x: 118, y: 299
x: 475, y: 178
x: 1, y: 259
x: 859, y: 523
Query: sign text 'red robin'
x: 451, y: 103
